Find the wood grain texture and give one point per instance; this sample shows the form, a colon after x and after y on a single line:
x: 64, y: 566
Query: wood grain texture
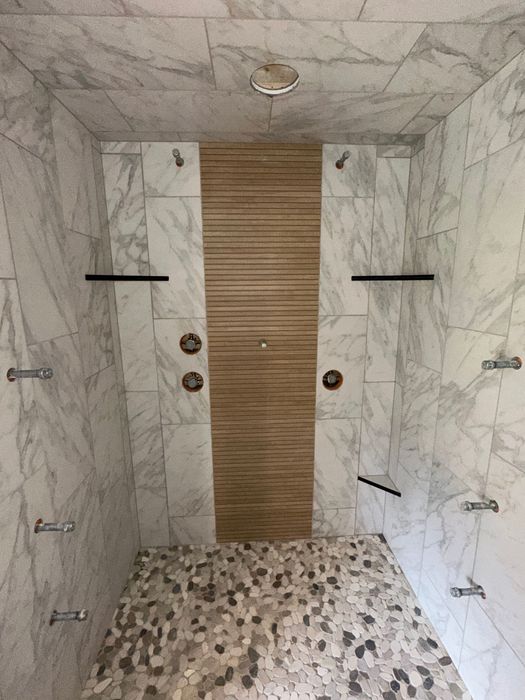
x: 261, y: 208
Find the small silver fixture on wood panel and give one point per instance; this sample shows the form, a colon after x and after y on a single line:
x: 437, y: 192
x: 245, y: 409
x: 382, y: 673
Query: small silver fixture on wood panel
x: 66, y: 526
x: 480, y: 505
x: 463, y: 592
x: 512, y: 363
x: 41, y: 373
x: 263, y: 343
x: 68, y: 616
x: 179, y: 160
x: 339, y: 164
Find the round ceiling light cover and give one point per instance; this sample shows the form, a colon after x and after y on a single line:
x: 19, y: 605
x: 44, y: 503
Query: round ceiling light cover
x: 274, y: 79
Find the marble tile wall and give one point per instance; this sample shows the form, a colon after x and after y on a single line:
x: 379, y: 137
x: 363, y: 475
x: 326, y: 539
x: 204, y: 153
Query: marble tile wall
x: 154, y: 211
x: 63, y: 442
x: 460, y: 432
x: 364, y: 209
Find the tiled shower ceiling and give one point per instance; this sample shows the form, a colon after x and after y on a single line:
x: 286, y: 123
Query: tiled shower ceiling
x: 378, y: 71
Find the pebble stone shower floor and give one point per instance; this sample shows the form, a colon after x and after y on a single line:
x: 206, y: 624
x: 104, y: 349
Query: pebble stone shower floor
x: 322, y: 619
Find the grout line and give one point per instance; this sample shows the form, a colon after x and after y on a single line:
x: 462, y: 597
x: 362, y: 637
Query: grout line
x: 118, y: 111
x: 212, y: 66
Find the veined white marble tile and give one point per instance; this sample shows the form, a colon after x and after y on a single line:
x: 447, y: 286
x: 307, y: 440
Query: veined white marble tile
x: 445, y: 624
x: 413, y: 197
x: 403, y: 333
x: 478, y: 11
x: 365, y: 113
x: 162, y: 176
x: 404, y: 526
x: 433, y: 112
x: 450, y: 538
x: 20, y: 444
x: 111, y: 52
x: 120, y: 147
x: 489, y: 235
x: 346, y: 240
x: 189, y: 471
x: 126, y: 214
x: 93, y: 108
x: 429, y: 301
x: 336, y: 463
x: 148, y: 467
x: 499, y: 568
x: 37, y: 238
x: 63, y: 414
x: 384, y: 307
x: 497, y: 118
x: 176, y: 404
x: 24, y: 107
x: 489, y: 667
x: 457, y: 57
x: 192, y: 529
x: 321, y: 53
x: 341, y: 346
x: 337, y: 522
x: 394, y: 151
x: 509, y: 430
x: 370, y: 510
x: 467, y: 406
x: 104, y: 415
x: 378, y: 398
x: 175, y: 248
x: 395, y: 431
x: 356, y: 179
x: 418, y: 420
x: 443, y: 173
x: 188, y: 110
x: 6, y: 260
x: 390, y: 206
x: 136, y: 335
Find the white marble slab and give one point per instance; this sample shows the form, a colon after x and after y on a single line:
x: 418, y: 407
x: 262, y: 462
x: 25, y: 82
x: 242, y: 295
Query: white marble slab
x: 357, y: 177
x: 95, y: 52
x: 443, y: 173
x: 176, y: 404
x: 489, y: 666
x: 341, y: 346
x: 433, y: 112
x: 467, y: 406
x: 429, y: 301
x: 412, y: 220
x: 7, y: 269
x: 336, y: 522
x: 120, y: 147
x: 126, y: 213
x: 176, y: 248
x: 378, y: 398
x: 497, y: 118
x: 394, y: 151
x: 346, y: 239
x: 382, y: 332
x: 136, y: 335
x: 162, y: 176
x: 94, y: 109
x: 192, y: 529
x: 395, y: 431
x: 148, y: 467
x: 445, y: 624
x: 390, y: 207
x: 336, y: 463
x: 189, y: 472
x: 370, y: 510
x: 489, y: 236
x: 478, y: 11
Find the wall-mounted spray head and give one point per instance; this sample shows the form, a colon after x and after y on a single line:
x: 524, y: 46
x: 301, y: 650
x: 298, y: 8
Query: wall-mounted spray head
x: 340, y: 163
x: 179, y: 160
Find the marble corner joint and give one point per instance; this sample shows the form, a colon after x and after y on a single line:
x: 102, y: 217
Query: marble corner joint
x: 465, y: 592
x: 340, y: 162
x: 66, y: 526
x: 68, y: 616
x: 512, y: 363
x: 492, y: 505
x: 179, y: 160
x: 41, y: 373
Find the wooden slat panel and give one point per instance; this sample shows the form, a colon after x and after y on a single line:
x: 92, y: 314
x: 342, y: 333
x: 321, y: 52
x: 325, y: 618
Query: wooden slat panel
x: 261, y: 208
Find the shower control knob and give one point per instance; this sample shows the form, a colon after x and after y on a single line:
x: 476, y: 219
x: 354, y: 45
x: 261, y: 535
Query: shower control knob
x: 332, y: 379
x: 190, y: 343
x: 192, y: 381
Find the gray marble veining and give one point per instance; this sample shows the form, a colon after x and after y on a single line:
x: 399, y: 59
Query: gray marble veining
x: 94, y: 107
x: 7, y: 269
x: 443, y: 11
x: 192, y: 529
x: 412, y: 215
x: 370, y: 510
x: 433, y: 112
x: 336, y: 463
x: 333, y: 522
x: 162, y: 176
x: 356, y: 179
x: 382, y: 331
x: 445, y: 624
x: 378, y: 398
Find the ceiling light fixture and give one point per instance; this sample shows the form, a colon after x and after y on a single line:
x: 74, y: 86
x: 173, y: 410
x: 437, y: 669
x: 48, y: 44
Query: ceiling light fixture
x: 274, y: 79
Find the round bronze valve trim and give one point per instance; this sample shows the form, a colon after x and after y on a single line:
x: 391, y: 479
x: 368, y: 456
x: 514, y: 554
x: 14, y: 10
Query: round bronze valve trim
x: 192, y: 381
x: 190, y: 343
x: 332, y: 379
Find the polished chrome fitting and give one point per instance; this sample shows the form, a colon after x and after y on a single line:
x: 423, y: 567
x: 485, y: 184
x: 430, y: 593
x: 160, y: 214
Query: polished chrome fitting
x: 480, y: 505
x: 339, y: 164
x: 472, y: 590
x: 67, y: 526
x: 179, y: 160
x: 68, y: 616
x: 41, y: 373
x: 512, y: 363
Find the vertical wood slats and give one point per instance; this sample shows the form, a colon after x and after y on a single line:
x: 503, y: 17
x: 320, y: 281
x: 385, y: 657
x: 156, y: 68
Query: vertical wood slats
x: 261, y: 206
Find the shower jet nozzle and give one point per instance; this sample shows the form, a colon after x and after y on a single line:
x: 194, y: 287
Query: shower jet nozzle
x: 179, y: 160
x: 339, y: 164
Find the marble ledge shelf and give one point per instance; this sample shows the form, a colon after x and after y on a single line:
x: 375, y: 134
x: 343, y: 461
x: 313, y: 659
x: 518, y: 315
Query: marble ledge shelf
x: 127, y: 278
x: 390, y: 278
x: 381, y: 481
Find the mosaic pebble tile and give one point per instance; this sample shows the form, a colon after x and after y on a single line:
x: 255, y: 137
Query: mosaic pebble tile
x: 323, y: 619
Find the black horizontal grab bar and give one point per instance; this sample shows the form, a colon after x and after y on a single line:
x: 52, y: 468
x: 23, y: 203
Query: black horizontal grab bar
x: 390, y: 278
x: 382, y: 481
x: 127, y: 278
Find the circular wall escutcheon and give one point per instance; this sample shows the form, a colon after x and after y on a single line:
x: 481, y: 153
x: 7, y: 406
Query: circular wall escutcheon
x: 192, y: 381
x: 332, y: 379
x: 190, y: 343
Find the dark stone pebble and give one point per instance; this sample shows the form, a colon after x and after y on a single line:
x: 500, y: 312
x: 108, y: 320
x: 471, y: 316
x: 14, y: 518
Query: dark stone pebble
x: 428, y: 683
x: 367, y: 563
x: 360, y: 650
x: 389, y: 695
x: 432, y: 643
x: 151, y: 690
x: 423, y: 671
x: 274, y: 628
x: 369, y: 619
x: 247, y: 681
x: 219, y: 649
x: 331, y: 579
x: 355, y: 687
x: 306, y: 620
x: 321, y: 645
x: 229, y: 673
x: 253, y: 670
x: 395, y: 686
x: 257, y: 619
x: 220, y: 681
x: 370, y: 645
x: 124, y: 662
x: 411, y: 691
x: 445, y: 660
x: 101, y: 670
x: 253, y: 655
